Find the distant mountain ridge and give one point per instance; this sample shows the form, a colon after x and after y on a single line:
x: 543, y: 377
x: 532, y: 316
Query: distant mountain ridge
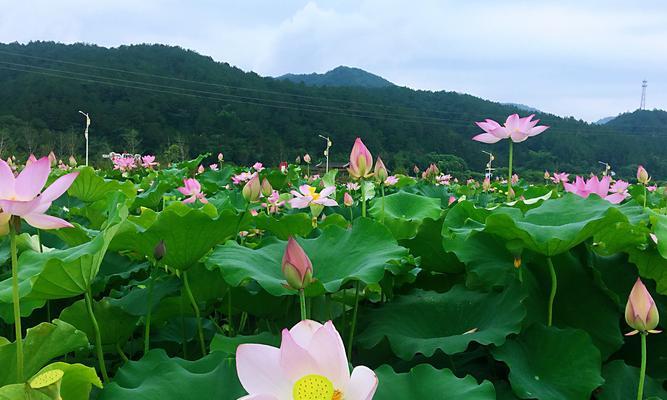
x: 641, y: 122
x: 340, y: 76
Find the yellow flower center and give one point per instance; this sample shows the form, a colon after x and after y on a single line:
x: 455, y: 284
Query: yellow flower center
x: 315, y: 387
x: 313, y: 194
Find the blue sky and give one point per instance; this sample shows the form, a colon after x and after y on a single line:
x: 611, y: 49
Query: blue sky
x: 583, y: 58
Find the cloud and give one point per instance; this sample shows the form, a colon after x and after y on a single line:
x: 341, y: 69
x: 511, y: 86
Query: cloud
x: 585, y: 59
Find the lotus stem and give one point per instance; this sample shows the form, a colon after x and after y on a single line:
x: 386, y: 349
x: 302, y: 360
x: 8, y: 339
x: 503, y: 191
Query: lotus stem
x: 363, y: 205
x: 552, y: 293
x: 302, y: 302
x: 121, y: 353
x: 98, y: 336
x: 645, y: 194
x: 642, y: 370
x: 195, y: 307
x: 16, y: 301
x: 354, y: 321
x: 149, y: 312
x: 509, y: 174
x: 382, y: 192
x: 229, y: 312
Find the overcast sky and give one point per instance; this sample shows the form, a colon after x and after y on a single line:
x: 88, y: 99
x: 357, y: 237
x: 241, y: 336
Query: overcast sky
x: 583, y: 58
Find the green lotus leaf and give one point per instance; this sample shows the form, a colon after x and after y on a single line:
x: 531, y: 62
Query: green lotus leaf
x: 427, y: 245
x: 156, y: 376
x: 426, y: 382
x: 555, y: 226
x: 299, y: 224
x: 580, y: 301
x: 487, y: 261
x: 41, y: 344
x: 228, y: 344
x: 651, y: 265
x: 622, y: 381
x: 552, y: 364
x: 90, y: 187
x: 404, y: 212
x: 116, y: 326
x: 423, y: 322
x: 338, y: 255
x: 188, y: 233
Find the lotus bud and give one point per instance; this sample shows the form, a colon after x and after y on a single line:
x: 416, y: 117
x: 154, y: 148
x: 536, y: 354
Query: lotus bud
x: 348, y: 200
x: 415, y: 169
x: 642, y: 175
x: 53, y: 159
x: 252, y: 189
x: 361, y: 161
x: 201, y: 169
x: 72, y: 161
x: 547, y: 175
x: 431, y: 172
x: 486, y: 184
x: 452, y: 199
x: 221, y: 158
x: 306, y: 158
x: 298, y: 160
x: 381, y: 172
x: 296, y: 266
x: 641, y: 313
x: 515, y: 179
x: 159, y: 251
x: 267, y: 189
x: 283, y: 167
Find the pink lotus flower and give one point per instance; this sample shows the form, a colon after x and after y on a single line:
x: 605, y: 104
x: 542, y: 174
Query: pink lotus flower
x: 242, y: 177
x: 148, y: 162
x: 600, y: 187
x: 652, y: 188
x: 361, y: 161
x: 391, y: 180
x: 273, y: 203
x: 20, y: 195
x: 515, y: 179
x: 308, y: 195
x: 258, y: 166
x: 213, y: 167
x: 443, y: 179
x: 561, y: 177
x: 515, y: 128
x: 641, y: 313
x: 123, y: 164
x: 451, y: 200
x: 310, y: 364
x: 192, y: 188
x: 283, y: 167
x: 352, y: 186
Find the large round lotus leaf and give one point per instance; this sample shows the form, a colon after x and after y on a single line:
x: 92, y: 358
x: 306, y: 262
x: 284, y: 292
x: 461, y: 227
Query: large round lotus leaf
x: 651, y: 265
x: 427, y: 245
x: 426, y: 382
x: 116, y: 326
x: 41, y: 344
x: 188, y: 233
x: 423, y: 322
x: 228, y: 345
x: 555, y: 226
x: 552, y: 364
x: 156, y: 376
x: 77, y: 380
x: 338, y: 255
x: 90, y: 187
x: 622, y: 381
x: 299, y: 224
x: 580, y: 301
x: 404, y: 212
x: 487, y: 261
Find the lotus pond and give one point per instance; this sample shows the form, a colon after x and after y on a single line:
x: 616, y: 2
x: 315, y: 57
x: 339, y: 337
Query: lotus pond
x: 205, y: 280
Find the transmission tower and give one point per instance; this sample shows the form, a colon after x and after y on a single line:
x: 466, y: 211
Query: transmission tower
x: 642, y: 104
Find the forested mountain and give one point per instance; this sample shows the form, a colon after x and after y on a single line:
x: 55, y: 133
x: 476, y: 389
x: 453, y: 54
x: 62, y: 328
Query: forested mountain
x: 643, y: 122
x: 177, y: 103
x: 339, y: 76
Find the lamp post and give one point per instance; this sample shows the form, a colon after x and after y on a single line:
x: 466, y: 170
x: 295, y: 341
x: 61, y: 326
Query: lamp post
x: 326, y: 151
x: 85, y: 132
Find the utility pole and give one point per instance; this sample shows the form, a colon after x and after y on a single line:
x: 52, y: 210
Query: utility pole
x: 85, y: 133
x: 642, y: 104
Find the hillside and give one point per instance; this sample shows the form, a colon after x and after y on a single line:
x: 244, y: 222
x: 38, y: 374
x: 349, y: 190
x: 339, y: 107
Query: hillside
x: 177, y: 103
x: 646, y: 122
x: 339, y: 76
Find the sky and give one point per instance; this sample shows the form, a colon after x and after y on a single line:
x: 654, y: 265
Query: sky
x: 583, y: 58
